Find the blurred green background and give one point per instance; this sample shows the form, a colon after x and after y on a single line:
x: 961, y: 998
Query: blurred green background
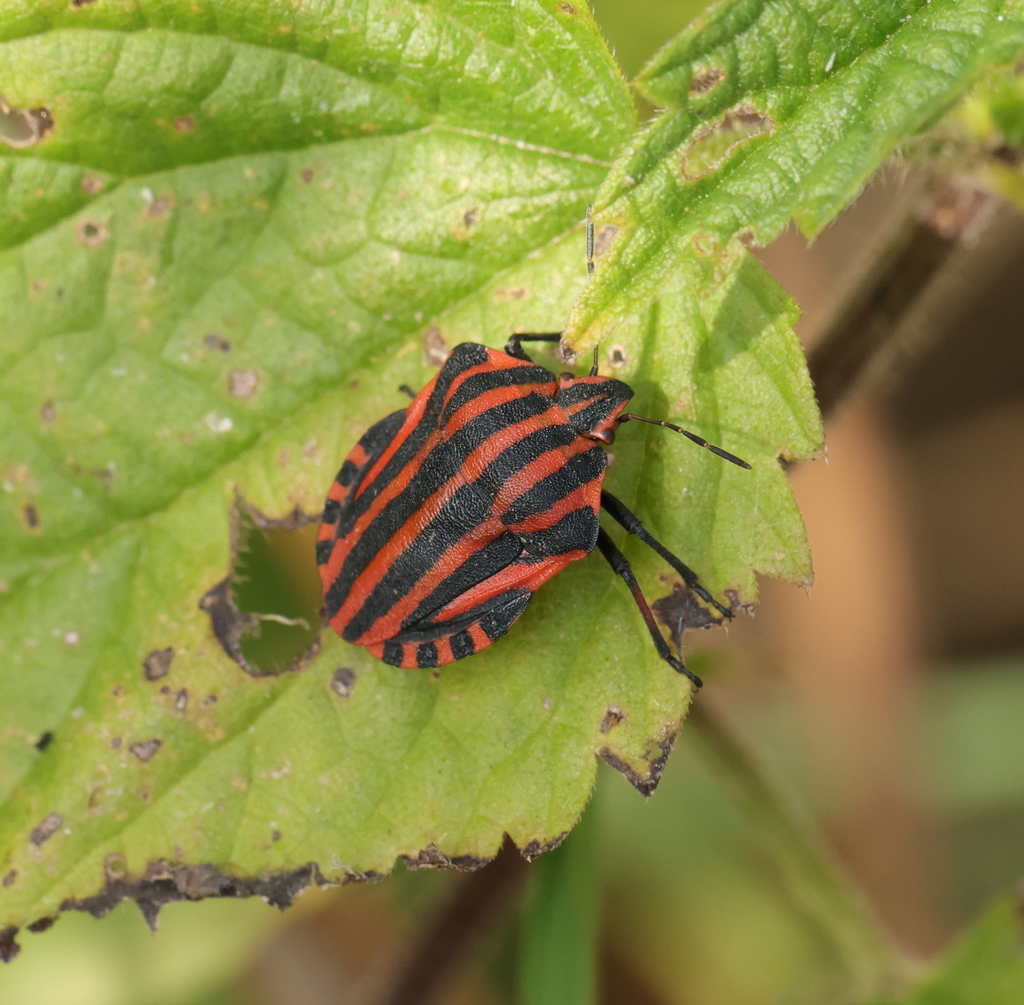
x: 888, y: 701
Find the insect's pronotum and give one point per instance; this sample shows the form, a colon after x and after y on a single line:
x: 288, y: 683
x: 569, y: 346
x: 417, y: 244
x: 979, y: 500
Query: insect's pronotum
x: 449, y: 514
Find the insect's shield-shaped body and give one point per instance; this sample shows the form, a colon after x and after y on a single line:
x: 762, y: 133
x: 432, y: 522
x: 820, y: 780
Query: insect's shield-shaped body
x: 448, y: 515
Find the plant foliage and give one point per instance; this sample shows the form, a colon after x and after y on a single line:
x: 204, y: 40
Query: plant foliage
x: 229, y: 233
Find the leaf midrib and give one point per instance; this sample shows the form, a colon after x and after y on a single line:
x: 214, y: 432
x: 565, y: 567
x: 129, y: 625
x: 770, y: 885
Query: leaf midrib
x: 73, y: 544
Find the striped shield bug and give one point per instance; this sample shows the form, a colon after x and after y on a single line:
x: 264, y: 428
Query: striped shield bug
x: 449, y: 514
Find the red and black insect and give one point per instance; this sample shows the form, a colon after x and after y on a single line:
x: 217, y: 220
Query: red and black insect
x: 448, y: 515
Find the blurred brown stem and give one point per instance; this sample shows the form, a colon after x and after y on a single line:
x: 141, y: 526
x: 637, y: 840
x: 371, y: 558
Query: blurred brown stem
x: 447, y: 938
x: 811, y: 875
x: 872, y: 319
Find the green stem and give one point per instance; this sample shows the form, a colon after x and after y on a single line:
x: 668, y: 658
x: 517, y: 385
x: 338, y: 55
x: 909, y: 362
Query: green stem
x: 558, y: 938
x: 812, y: 876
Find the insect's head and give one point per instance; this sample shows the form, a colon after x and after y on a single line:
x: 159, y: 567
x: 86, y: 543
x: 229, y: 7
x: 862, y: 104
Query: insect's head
x: 592, y: 404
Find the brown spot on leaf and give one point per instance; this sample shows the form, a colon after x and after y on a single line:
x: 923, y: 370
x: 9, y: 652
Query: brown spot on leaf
x: 612, y: 718
x: 343, y: 681
x: 91, y: 184
x: 567, y: 8
x: 470, y: 216
x: 604, y: 239
x: 564, y: 354
x: 81, y: 3
x: 20, y: 128
x: 748, y: 238
x: 157, y: 663
x: 145, y: 750
x: 164, y: 883
x: 160, y: 206
x: 214, y: 341
x: 47, y: 412
x: 308, y: 175
x: 710, y: 147
x: 181, y: 702
x: 184, y: 124
x: 30, y: 515
x: 535, y: 848
x: 503, y: 295
x: 49, y: 826
x: 275, y: 835
x: 681, y: 610
x: 242, y: 383
x: 44, y: 741
x: 43, y: 924
x: 435, y: 349
x: 9, y: 879
x: 91, y: 233
x: 706, y: 80
x: 228, y: 622
x: 115, y: 743
x: 8, y: 947
x: 431, y: 858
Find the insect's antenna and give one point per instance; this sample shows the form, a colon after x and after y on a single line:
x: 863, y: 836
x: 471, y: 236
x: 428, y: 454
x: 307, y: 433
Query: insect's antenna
x: 593, y: 366
x: 590, y: 242
x: 699, y: 440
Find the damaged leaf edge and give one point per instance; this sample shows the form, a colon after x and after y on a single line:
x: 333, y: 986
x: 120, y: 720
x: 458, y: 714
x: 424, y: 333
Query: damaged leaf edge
x: 163, y: 883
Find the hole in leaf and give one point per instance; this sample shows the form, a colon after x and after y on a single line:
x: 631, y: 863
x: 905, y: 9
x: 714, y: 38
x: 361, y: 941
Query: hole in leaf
x: 20, y: 128
x: 276, y: 588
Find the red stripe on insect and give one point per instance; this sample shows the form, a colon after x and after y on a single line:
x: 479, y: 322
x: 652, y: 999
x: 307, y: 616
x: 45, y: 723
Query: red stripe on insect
x: 413, y: 415
x: 390, y: 622
x: 492, y: 399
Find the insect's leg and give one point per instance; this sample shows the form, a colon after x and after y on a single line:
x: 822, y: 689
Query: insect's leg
x: 618, y: 512
x: 513, y: 347
x: 406, y: 389
x: 621, y: 567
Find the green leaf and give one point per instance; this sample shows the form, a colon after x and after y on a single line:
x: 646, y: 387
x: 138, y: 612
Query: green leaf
x: 777, y: 109
x: 230, y: 234
x: 247, y: 236
x: 986, y: 967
